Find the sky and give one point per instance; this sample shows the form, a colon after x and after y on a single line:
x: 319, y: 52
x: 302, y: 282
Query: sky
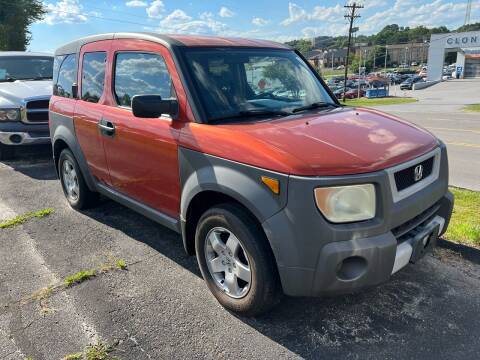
x: 279, y: 20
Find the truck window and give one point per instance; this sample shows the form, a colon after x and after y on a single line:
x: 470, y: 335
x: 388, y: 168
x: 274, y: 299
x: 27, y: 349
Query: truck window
x: 141, y: 74
x: 67, y: 76
x: 93, y: 76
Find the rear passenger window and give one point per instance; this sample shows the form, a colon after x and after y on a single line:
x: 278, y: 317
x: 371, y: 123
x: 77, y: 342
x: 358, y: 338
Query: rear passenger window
x: 67, y: 75
x: 141, y: 74
x: 93, y: 76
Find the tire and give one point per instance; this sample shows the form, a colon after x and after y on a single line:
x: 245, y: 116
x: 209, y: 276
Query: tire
x: 74, y: 187
x: 6, y: 152
x: 263, y: 291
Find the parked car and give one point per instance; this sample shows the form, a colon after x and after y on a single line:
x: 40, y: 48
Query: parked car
x: 408, y: 84
x: 25, y: 89
x: 274, y: 194
x: 353, y: 93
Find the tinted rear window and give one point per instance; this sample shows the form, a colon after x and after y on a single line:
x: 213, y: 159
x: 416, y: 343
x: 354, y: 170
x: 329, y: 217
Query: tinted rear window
x: 93, y: 76
x: 67, y: 76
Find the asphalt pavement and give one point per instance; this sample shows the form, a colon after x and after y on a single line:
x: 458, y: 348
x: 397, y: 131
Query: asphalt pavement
x: 439, y: 110
x: 160, y: 308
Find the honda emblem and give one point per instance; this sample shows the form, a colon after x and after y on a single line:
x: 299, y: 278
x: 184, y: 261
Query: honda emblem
x: 418, y: 173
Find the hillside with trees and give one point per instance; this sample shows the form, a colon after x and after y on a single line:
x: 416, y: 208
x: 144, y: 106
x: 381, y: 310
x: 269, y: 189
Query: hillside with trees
x: 389, y: 35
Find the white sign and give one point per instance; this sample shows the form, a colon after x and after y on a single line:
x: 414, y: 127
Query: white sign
x: 467, y: 40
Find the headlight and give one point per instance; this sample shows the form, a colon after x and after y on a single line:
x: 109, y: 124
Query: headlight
x: 340, y: 204
x: 9, y: 114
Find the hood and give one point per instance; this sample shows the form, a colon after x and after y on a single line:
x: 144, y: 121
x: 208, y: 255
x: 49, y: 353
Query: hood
x: 339, y: 142
x: 13, y: 93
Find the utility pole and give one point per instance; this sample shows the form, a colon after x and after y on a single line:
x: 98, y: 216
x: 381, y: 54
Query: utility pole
x: 351, y: 15
x: 386, y: 54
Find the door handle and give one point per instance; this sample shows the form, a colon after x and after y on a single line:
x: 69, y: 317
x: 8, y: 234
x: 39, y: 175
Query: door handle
x: 106, y: 127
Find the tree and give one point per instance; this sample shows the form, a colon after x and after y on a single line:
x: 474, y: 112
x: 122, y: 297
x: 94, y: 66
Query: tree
x: 15, y: 19
x: 469, y: 27
x: 302, y: 45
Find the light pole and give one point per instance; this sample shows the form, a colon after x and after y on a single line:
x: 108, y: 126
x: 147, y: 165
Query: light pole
x: 364, y: 61
x: 405, y: 61
x: 386, y: 55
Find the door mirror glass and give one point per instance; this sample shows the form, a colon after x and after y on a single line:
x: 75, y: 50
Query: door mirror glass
x: 153, y: 106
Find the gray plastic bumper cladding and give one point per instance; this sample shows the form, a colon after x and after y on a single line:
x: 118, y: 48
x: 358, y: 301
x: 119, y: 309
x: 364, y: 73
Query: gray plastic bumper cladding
x: 316, y: 257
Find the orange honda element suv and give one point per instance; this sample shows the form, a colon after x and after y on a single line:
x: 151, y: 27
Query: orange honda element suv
x: 239, y: 146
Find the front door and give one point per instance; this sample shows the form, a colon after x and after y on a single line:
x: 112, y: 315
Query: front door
x: 142, y: 153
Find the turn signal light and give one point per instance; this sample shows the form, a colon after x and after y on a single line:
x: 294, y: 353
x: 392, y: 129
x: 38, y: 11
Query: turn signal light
x: 273, y: 184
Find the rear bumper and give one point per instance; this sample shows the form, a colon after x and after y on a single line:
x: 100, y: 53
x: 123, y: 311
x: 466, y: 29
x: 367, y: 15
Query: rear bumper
x: 23, y: 138
x: 317, y: 258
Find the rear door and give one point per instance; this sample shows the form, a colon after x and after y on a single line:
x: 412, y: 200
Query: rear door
x: 91, y: 106
x: 142, y: 154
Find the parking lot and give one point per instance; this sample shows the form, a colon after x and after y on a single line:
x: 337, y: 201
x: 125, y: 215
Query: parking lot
x: 439, y: 110
x: 160, y: 308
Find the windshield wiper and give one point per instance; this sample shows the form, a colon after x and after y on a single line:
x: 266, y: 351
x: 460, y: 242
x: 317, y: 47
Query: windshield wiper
x: 314, y: 105
x: 37, y: 78
x: 8, y: 79
x: 247, y: 113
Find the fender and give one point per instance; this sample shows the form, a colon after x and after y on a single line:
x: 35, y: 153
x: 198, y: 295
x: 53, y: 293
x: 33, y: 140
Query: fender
x: 62, y: 128
x: 201, y: 172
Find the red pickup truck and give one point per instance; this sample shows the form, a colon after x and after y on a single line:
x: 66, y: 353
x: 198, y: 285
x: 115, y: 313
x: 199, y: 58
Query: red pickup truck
x: 239, y: 146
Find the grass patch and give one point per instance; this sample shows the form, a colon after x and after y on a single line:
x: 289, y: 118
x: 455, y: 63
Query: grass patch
x: 465, y: 223
x: 98, y: 351
x: 121, y: 264
x: 378, y: 101
x: 42, y: 297
x: 20, y: 219
x: 472, y: 108
x: 79, y: 277
x: 76, y: 356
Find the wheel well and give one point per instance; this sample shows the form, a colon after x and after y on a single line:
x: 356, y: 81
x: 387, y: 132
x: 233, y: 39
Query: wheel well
x: 197, y: 207
x: 57, y: 149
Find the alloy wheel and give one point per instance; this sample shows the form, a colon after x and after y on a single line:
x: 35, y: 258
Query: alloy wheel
x: 70, y: 180
x: 228, y: 262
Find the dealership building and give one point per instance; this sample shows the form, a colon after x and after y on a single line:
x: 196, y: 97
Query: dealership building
x: 467, y: 47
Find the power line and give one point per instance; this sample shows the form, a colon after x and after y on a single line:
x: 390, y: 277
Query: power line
x: 351, y: 16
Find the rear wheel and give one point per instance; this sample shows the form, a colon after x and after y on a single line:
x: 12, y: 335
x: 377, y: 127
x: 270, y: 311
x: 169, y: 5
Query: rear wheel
x: 236, y: 260
x: 74, y: 187
x: 6, y: 152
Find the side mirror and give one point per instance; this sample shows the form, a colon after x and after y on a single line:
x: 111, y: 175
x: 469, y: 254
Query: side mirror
x: 153, y: 106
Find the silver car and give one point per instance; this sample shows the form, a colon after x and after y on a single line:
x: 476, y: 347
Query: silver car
x: 25, y: 90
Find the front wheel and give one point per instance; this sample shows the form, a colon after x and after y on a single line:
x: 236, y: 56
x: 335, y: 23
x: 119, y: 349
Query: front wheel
x: 236, y: 261
x: 74, y: 187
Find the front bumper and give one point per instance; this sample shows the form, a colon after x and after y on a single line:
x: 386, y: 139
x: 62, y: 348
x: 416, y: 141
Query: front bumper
x: 317, y: 258
x: 19, y: 133
x: 23, y: 138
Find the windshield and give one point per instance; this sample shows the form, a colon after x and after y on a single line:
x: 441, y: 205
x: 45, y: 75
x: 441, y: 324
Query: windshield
x: 232, y: 82
x: 25, y: 68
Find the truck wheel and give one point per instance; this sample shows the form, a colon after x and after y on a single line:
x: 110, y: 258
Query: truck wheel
x: 6, y: 152
x: 236, y: 260
x: 76, y: 191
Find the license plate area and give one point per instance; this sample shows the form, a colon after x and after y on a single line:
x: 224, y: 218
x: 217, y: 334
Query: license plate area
x: 424, y: 242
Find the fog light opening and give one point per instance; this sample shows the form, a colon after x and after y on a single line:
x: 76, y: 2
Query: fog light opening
x: 16, y: 139
x: 352, y: 268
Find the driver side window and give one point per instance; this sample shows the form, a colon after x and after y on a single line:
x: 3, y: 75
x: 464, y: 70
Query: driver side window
x: 141, y: 74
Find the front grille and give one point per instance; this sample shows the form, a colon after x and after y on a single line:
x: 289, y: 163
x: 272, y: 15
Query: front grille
x: 37, y: 104
x: 406, y: 177
x: 409, y: 228
x: 37, y: 111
